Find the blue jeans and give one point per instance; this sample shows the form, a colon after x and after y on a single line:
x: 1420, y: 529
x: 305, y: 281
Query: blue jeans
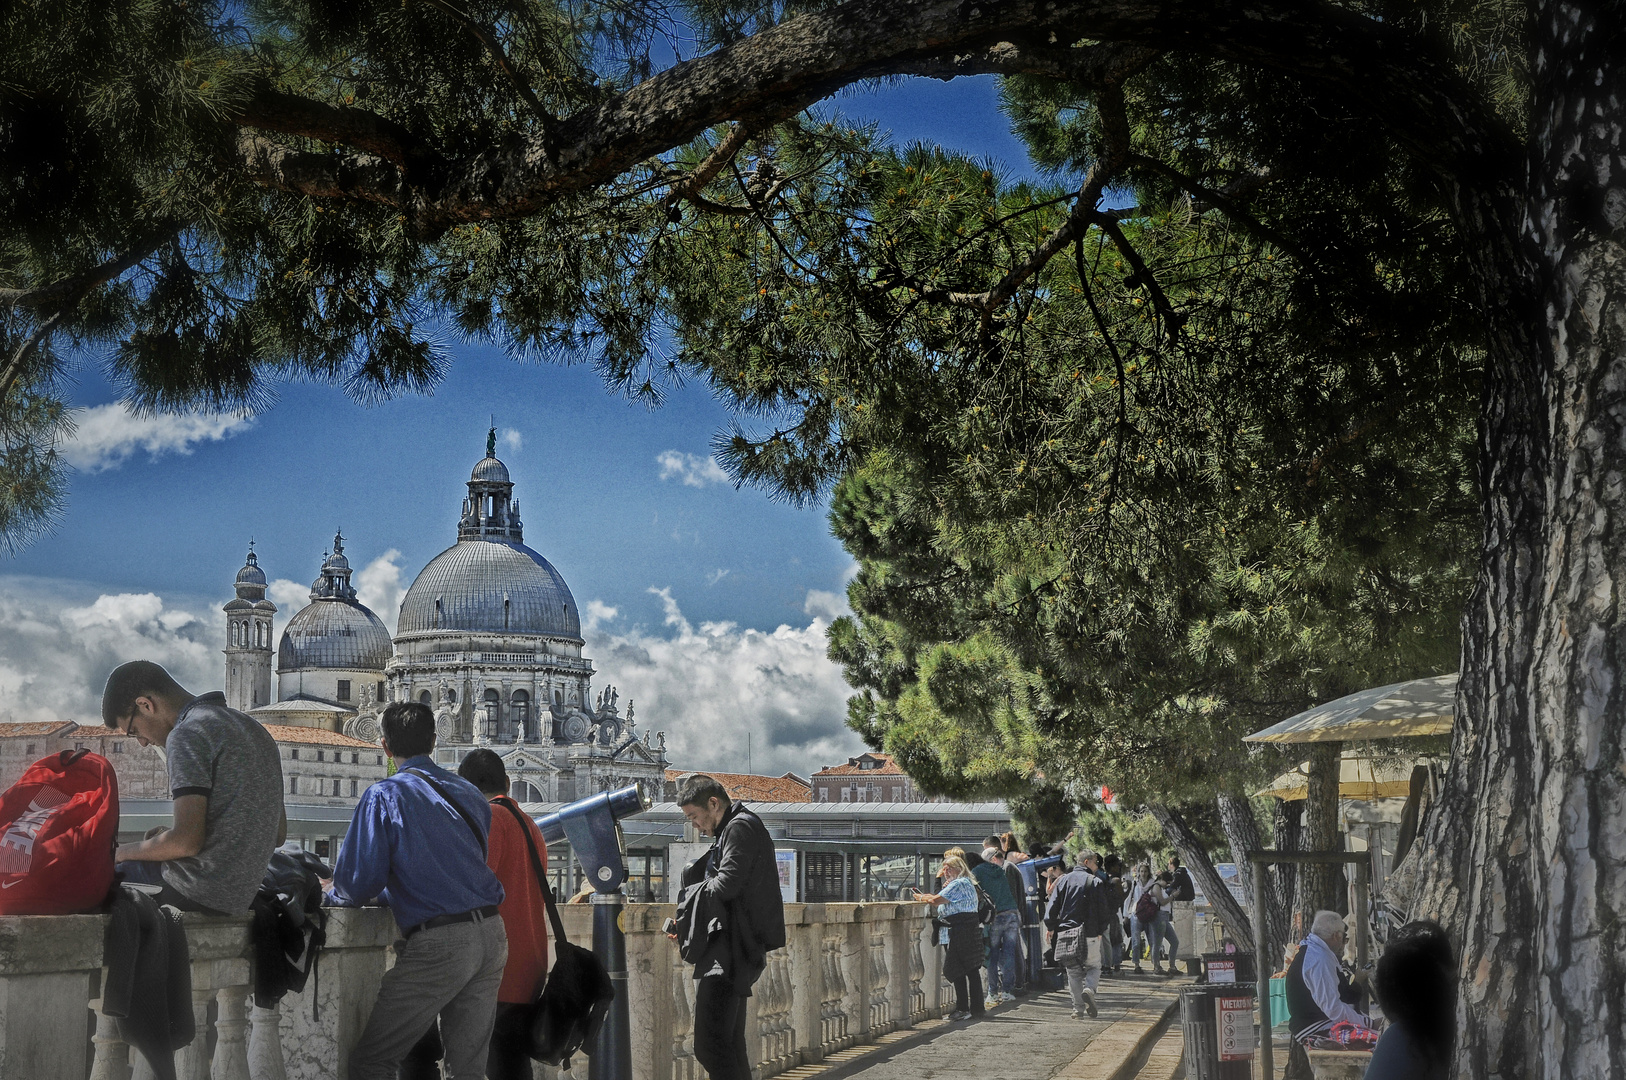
x: 1165, y: 927
x: 1151, y: 930
x: 1003, y: 950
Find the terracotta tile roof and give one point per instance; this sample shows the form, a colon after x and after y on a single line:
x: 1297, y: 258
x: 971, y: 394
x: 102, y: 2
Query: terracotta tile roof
x: 311, y: 736
x: 754, y: 788
x: 37, y: 729
x: 888, y: 767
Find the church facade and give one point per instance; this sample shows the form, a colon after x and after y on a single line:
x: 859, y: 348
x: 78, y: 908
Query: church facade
x: 488, y: 636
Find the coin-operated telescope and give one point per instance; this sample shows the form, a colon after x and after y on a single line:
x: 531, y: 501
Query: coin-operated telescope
x: 1030, y: 869
x: 592, y: 827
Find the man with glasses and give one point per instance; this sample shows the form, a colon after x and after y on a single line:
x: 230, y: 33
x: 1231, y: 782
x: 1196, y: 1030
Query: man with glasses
x: 225, y: 776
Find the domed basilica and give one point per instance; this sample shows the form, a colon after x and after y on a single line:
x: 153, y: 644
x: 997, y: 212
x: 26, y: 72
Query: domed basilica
x: 488, y: 637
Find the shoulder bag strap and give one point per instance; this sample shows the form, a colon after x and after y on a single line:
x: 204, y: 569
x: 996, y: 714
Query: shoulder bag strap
x: 541, y: 877
x: 462, y: 813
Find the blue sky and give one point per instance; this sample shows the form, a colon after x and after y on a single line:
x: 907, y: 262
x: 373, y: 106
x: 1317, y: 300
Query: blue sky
x: 622, y: 499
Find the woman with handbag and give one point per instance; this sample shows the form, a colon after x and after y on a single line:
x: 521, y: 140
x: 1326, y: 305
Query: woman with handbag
x: 520, y: 867
x: 958, y: 908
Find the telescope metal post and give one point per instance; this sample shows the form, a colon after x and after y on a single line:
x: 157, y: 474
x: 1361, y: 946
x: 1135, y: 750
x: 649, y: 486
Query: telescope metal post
x: 611, y: 1058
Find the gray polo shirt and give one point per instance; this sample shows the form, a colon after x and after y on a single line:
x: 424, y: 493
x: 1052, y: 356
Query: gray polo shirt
x: 219, y: 752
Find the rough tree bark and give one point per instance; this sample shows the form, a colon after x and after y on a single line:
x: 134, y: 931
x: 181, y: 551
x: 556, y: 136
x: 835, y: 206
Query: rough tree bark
x: 1318, y: 883
x: 1529, y: 839
x: 1242, y: 833
x: 1201, y: 867
x: 1289, y: 834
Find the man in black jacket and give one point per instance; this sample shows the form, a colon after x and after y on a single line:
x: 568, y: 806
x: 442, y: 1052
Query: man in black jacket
x: 744, y: 917
x: 1078, y: 913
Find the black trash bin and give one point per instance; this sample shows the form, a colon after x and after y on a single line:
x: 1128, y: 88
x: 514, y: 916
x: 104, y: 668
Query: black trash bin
x: 1231, y: 967
x: 1217, y: 1021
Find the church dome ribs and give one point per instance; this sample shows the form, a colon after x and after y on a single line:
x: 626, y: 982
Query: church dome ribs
x: 485, y: 586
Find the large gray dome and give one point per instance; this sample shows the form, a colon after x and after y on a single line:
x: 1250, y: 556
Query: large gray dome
x: 486, y: 586
x: 334, y: 633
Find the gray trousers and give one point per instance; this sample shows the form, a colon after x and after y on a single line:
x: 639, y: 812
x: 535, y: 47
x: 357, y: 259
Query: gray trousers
x: 1083, y: 971
x: 451, y: 972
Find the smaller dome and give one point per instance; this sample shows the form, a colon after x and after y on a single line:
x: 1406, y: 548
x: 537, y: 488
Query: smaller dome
x: 334, y: 634
x: 251, y: 574
x: 490, y: 471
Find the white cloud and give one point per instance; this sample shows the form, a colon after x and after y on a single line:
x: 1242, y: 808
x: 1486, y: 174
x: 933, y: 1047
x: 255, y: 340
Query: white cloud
x: 829, y: 605
x: 690, y: 469
x: 379, y: 587
x: 108, y: 435
x: 55, y: 658
x: 512, y: 441
x: 716, y: 575
x: 289, y: 596
x: 707, y: 687
x: 598, y: 613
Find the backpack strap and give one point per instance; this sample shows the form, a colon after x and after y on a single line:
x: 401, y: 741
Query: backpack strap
x: 541, y: 876
x: 479, y: 837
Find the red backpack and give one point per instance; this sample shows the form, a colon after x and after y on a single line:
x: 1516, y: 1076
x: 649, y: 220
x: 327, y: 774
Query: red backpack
x: 59, y: 826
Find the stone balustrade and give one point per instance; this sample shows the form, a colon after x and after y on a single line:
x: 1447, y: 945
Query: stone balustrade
x: 849, y: 974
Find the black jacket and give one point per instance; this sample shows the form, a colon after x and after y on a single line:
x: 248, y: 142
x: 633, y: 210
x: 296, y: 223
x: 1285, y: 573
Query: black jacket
x: 1080, y: 898
x: 149, y: 979
x: 742, y: 886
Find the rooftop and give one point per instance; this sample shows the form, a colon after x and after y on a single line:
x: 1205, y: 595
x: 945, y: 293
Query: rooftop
x: 855, y: 766
x: 310, y: 736
x: 788, y: 788
x: 36, y: 729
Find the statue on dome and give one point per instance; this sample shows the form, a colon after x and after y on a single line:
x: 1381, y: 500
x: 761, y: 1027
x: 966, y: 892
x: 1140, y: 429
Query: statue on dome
x: 491, y: 443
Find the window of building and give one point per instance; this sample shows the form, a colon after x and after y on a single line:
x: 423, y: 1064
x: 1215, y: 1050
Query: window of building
x: 321, y: 755
x: 846, y: 795
x: 521, y: 715
x: 524, y: 791
x: 425, y: 698
x: 293, y: 755
x: 355, y: 759
x: 30, y: 749
x: 81, y: 746
x: 558, y: 697
x: 118, y: 748
x: 352, y: 789
x: 380, y: 691
x: 824, y: 794
x: 335, y: 789
x: 378, y: 759
x: 344, y: 689
x: 293, y: 785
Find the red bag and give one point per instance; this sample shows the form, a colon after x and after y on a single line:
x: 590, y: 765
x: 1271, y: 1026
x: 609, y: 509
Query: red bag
x: 59, y: 826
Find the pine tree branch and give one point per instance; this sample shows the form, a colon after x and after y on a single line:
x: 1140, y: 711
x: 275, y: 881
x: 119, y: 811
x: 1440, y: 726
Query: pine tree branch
x: 19, y: 357
x: 67, y: 291
x: 499, y: 56
x: 1223, y: 200
x: 359, y: 129
x: 780, y: 71
x: 1143, y: 275
x: 704, y: 173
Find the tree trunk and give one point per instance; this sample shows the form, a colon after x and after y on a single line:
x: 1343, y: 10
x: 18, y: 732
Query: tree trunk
x: 1528, y: 845
x: 1242, y: 833
x: 1318, y: 882
x: 1289, y: 831
x: 1204, y: 875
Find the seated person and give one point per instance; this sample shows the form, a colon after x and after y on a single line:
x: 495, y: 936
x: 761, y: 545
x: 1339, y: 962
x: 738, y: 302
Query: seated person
x: 225, y: 775
x: 1320, y: 989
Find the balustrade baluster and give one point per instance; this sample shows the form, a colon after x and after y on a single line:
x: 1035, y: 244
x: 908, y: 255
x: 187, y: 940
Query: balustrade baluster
x: 231, y: 1035
x: 111, y: 1055
x: 265, y: 1061
x: 192, y: 1060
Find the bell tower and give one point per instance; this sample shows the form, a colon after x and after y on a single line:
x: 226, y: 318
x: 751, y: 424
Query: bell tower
x: 248, y: 639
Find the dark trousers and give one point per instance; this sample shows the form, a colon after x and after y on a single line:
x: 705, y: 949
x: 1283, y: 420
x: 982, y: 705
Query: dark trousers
x: 719, y: 1030
x: 507, y: 1059
x: 968, y: 994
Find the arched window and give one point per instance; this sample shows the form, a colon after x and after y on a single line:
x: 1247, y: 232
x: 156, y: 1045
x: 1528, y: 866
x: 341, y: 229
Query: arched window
x: 493, y: 703
x: 558, y: 697
x: 426, y: 698
x: 523, y: 791
x: 521, y: 713
x: 451, y: 697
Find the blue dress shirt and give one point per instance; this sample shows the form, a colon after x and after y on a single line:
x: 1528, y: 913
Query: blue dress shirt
x: 409, y: 848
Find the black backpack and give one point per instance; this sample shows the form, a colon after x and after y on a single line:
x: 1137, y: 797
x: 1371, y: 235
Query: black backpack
x: 289, y: 926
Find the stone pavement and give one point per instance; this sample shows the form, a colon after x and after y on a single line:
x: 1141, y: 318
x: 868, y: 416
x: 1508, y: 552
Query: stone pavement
x: 1029, y: 1039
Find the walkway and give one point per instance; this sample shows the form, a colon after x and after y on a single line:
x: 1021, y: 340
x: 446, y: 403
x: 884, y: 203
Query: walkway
x: 1030, y: 1039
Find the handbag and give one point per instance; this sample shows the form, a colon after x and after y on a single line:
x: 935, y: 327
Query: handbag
x: 576, y: 996
x: 1068, y: 943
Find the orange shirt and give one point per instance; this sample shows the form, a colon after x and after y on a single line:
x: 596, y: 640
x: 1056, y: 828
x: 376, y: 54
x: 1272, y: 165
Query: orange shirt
x: 524, y: 912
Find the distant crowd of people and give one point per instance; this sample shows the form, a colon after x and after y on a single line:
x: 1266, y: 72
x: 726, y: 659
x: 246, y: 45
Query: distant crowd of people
x: 1096, y: 918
